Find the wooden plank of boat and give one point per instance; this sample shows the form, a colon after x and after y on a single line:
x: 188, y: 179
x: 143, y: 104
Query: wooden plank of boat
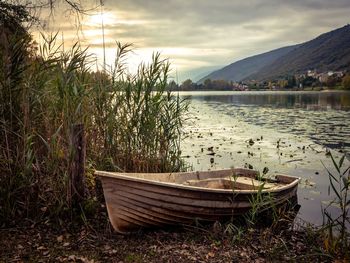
x: 136, y: 200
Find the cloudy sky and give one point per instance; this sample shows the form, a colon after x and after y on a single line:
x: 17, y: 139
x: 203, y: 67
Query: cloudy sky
x: 200, y: 35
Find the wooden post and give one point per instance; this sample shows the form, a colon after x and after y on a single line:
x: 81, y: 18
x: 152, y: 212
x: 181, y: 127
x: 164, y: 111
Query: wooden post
x: 77, y: 178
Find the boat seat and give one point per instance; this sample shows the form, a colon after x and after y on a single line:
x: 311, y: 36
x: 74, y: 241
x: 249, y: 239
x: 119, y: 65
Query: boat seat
x: 239, y: 183
x: 247, y: 183
x: 215, y: 183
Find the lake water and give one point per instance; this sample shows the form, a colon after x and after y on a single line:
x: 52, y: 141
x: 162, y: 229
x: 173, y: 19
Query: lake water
x: 291, y: 131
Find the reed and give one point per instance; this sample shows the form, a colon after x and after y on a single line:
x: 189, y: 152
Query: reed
x: 131, y: 122
x: 265, y: 211
x: 259, y: 203
x: 336, y: 227
x: 141, y: 121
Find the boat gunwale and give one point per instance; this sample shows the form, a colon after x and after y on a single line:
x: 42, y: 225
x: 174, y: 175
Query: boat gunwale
x: 124, y: 176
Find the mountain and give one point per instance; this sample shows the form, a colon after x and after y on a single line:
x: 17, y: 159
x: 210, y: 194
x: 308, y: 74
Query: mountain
x: 198, y: 73
x: 242, y: 69
x: 329, y: 51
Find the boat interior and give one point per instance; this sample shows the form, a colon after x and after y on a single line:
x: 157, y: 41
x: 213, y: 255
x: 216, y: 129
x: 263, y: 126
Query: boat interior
x: 238, y: 178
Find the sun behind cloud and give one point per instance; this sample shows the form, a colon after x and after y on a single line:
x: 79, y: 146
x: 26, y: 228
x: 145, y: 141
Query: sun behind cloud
x: 98, y: 19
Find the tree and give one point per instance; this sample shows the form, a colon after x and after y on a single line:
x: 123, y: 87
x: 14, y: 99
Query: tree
x: 187, y: 85
x: 346, y: 82
x: 309, y: 81
x: 13, y: 16
x: 12, y: 19
x: 291, y: 82
x: 207, y: 84
x: 72, y: 5
x: 15, y: 41
x: 282, y: 83
x: 173, y: 85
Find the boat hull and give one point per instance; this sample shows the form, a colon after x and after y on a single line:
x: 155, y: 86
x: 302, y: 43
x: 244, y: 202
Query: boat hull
x: 134, y: 203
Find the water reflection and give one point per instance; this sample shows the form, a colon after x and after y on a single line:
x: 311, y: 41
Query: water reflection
x: 284, y: 128
x: 339, y: 100
x: 323, y: 117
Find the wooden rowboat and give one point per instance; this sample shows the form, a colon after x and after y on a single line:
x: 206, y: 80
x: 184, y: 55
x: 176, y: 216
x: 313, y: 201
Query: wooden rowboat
x: 144, y: 200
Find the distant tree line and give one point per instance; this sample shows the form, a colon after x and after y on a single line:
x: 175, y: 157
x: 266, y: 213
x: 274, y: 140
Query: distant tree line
x: 286, y: 82
x: 346, y: 82
x: 208, y: 84
x: 303, y: 81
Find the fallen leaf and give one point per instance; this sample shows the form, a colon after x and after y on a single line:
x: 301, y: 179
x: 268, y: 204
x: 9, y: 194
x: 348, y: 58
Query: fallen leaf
x: 60, y: 238
x: 20, y: 247
x: 106, y: 247
x: 72, y: 257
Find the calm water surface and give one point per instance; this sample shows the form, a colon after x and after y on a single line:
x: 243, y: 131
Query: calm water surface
x: 291, y: 131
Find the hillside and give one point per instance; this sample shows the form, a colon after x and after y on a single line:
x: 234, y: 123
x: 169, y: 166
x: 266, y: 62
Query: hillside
x: 329, y: 51
x: 244, y: 68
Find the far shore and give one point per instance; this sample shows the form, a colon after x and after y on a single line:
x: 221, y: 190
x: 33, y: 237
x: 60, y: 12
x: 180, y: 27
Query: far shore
x: 317, y: 89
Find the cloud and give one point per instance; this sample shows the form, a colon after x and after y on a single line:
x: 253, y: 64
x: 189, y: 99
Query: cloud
x: 210, y: 33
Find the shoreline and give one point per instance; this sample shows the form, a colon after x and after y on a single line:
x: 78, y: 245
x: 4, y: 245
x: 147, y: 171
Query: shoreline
x: 282, y: 90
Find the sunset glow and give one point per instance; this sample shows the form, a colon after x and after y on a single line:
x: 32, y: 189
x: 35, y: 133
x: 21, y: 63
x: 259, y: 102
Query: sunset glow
x: 96, y: 20
x: 197, y: 36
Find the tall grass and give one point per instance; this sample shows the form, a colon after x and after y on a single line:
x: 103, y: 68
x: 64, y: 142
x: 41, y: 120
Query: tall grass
x: 140, y: 120
x: 336, y: 228
x: 16, y: 139
x: 132, y: 123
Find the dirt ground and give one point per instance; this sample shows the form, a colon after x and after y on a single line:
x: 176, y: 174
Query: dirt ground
x: 96, y: 242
